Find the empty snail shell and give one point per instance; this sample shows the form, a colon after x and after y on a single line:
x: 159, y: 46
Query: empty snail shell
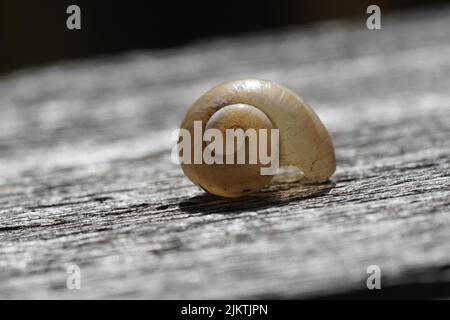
x: 304, y: 142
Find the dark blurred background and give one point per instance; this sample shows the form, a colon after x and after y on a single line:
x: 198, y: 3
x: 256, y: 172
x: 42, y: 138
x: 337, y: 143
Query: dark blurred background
x: 34, y: 32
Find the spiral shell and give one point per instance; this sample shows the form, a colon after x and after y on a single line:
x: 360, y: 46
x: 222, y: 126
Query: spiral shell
x: 304, y: 141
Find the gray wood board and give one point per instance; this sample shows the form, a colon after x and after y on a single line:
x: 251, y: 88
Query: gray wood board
x: 86, y: 176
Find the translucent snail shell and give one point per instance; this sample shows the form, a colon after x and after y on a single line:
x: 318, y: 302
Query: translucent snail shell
x: 304, y: 142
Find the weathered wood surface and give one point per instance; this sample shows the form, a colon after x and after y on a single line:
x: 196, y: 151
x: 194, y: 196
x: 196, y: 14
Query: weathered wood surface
x: 86, y: 177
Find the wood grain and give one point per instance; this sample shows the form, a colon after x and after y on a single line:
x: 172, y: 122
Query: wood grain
x: 86, y: 176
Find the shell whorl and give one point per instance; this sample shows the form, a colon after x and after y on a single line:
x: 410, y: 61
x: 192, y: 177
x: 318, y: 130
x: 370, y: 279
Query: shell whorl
x: 304, y: 141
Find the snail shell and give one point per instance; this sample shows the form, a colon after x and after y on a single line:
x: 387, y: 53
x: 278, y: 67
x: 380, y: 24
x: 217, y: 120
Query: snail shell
x: 304, y: 142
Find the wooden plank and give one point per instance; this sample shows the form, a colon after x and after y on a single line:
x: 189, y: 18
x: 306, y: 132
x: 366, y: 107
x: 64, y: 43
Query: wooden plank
x: 86, y: 176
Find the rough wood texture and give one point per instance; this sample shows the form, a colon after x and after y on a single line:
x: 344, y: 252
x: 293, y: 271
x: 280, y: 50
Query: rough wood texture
x: 86, y: 177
